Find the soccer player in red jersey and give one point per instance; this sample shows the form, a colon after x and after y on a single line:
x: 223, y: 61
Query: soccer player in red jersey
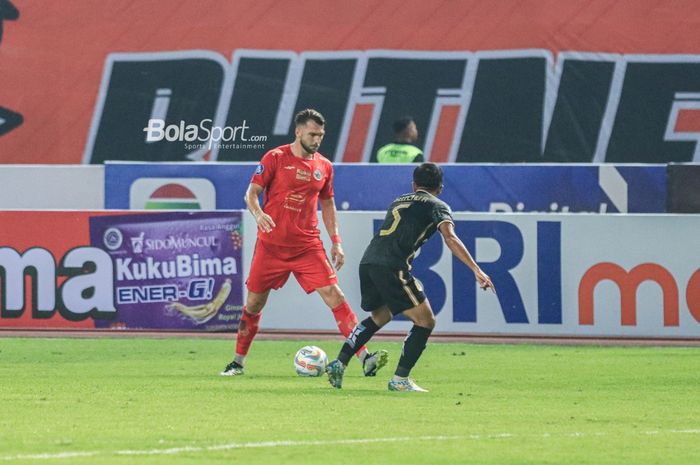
x: 294, y: 178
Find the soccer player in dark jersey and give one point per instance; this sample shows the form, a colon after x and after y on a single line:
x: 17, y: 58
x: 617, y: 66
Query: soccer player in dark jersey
x: 386, y: 283
x: 293, y: 178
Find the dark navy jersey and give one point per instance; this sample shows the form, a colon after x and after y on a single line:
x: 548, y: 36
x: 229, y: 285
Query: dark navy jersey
x: 410, y: 221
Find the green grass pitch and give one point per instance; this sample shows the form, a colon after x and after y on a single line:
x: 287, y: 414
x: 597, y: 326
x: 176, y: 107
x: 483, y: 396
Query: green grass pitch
x: 161, y: 401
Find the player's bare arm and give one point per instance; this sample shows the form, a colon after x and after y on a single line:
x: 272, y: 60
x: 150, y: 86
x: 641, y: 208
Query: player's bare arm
x: 264, y: 221
x: 330, y: 220
x: 458, y: 249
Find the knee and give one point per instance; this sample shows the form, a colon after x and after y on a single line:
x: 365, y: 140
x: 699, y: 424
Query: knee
x: 381, y: 317
x: 428, y: 322
x: 255, y: 303
x: 422, y: 315
x: 337, y: 298
x: 332, y: 295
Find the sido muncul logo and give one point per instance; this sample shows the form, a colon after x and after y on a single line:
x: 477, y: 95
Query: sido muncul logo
x: 137, y: 243
x: 112, y: 238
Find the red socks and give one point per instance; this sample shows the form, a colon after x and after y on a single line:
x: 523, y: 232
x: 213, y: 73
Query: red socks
x: 347, y: 321
x: 250, y: 323
x: 247, y: 330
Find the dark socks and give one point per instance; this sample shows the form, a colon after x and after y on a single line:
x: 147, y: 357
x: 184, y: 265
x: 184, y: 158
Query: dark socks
x: 412, y: 349
x: 359, y: 336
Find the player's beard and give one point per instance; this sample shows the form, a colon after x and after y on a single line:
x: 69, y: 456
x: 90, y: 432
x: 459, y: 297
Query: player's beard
x: 308, y: 149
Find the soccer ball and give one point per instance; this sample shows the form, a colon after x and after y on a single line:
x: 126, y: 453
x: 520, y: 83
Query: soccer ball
x: 310, y: 361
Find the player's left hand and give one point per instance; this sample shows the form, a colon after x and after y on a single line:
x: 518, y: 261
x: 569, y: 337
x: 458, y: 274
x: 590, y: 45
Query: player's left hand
x: 484, y: 280
x: 338, y: 256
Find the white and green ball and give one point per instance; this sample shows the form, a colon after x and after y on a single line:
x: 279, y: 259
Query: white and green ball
x: 310, y: 361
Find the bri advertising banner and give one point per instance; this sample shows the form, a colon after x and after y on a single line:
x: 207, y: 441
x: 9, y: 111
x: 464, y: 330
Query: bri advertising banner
x: 174, y: 270
x: 614, y: 276
x: 481, y: 188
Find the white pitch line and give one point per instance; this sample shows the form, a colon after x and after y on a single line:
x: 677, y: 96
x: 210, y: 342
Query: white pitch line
x: 255, y: 445
x: 290, y: 443
x: 45, y: 456
x: 239, y: 445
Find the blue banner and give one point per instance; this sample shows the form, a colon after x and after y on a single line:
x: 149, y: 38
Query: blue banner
x: 561, y: 188
x: 158, y: 186
x: 513, y: 188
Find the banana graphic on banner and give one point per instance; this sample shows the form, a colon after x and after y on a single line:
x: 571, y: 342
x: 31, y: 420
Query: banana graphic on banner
x: 200, y: 314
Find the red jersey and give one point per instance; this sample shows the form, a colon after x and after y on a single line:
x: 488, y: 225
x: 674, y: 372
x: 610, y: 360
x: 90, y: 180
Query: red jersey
x: 292, y: 187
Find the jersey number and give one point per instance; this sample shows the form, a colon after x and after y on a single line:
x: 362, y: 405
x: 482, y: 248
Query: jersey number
x: 397, y: 218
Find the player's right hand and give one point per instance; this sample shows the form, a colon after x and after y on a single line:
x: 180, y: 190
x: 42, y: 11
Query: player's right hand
x: 337, y: 255
x: 265, y: 222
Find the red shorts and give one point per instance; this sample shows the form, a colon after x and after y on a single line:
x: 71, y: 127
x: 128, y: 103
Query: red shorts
x: 272, y: 265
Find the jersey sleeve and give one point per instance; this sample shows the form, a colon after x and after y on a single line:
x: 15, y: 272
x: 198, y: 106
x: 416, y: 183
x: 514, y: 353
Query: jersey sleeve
x: 442, y: 214
x: 327, y: 189
x: 265, y: 171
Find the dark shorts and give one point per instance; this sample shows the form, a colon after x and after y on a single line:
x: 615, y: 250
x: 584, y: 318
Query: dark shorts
x: 397, y: 289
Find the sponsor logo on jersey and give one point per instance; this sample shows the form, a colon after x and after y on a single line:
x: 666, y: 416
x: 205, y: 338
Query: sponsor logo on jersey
x: 259, y: 169
x: 303, y: 175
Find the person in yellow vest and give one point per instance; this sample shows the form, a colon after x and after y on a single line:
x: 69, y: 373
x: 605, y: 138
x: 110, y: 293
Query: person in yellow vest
x: 402, y: 149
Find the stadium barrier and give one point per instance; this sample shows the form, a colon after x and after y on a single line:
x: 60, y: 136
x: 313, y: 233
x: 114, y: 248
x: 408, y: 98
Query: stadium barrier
x: 683, y: 188
x: 79, y: 187
x: 556, y: 275
x: 483, y: 188
x: 606, y: 188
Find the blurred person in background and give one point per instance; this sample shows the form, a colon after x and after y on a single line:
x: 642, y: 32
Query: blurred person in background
x: 402, y: 149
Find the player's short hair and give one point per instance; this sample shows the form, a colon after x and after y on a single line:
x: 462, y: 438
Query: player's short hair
x: 428, y: 176
x: 401, y: 124
x: 304, y: 116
